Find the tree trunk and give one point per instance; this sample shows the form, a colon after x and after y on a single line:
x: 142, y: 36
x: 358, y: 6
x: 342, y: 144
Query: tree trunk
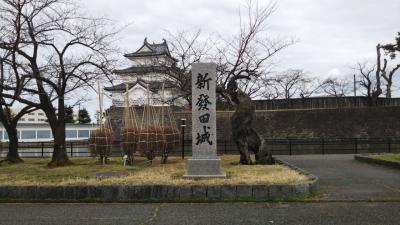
x: 12, y: 155
x: 378, y: 72
x: 389, y: 89
x: 60, y: 157
x: 57, y: 123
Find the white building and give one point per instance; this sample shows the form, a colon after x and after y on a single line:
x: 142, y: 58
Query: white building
x: 35, y: 117
x: 152, y: 67
x: 33, y: 127
x: 34, y: 132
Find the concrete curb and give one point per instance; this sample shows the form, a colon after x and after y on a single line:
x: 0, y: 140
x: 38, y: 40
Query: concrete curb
x: 157, y: 193
x: 370, y: 160
x: 313, y: 183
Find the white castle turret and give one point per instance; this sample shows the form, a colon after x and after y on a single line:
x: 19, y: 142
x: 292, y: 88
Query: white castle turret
x: 152, y: 66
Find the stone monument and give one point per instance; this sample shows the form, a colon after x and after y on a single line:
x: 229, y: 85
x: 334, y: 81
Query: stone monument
x: 204, y: 162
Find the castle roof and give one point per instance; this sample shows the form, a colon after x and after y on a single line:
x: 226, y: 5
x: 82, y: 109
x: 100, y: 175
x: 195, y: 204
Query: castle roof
x: 148, y: 49
x: 147, y: 69
x: 154, y: 86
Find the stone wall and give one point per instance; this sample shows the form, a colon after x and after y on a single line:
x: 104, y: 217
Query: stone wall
x: 375, y: 122
x: 381, y: 122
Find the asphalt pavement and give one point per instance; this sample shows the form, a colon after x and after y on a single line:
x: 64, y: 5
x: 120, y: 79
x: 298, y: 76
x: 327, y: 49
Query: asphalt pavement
x: 343, y: 178
x: 343, y: 213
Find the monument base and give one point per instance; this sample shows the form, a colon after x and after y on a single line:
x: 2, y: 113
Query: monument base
x: 204, y: 168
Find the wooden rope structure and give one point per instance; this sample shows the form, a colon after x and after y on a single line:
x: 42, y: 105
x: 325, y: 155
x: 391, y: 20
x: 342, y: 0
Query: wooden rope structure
x: 101, y: 139
x: 151, y: 139
x: 169, y: 128
x: 130, y: 129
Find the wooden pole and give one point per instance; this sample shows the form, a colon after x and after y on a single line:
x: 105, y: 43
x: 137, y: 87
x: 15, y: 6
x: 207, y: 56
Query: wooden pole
x: 100, y: 104
x: 162, y: 106
x: 148, y: 113
x: 126, y: 111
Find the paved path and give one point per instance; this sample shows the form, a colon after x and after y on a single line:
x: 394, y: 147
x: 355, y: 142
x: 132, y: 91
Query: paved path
x: 343, y: 213
x: 342, y: 177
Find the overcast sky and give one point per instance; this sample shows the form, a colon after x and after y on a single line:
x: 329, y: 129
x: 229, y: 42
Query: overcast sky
x: 332, y: 34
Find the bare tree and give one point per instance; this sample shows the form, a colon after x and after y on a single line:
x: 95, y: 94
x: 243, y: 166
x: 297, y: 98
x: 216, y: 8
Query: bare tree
x: 253, y: 88
x: 63, y: 51
x: 188, y: 47
x: 8, y: 118
x: 309, y: 88
x: 336, y: 87
x: 249, y: 53
x: 382, y: 70
x: 367, y: 80
x: 247, y: 57
x: 290, y: 83
x: 270, y: 90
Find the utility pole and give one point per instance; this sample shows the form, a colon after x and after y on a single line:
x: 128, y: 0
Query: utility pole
x: 79, y: 111
x: 355, y: 87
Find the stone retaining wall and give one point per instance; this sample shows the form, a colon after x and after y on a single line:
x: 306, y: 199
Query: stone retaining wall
x: 156, y: 193
x: 133, y: 193
x: 373, y: 122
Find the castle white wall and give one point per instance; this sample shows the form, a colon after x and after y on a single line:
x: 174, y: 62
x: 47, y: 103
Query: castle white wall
x: 161, y: 60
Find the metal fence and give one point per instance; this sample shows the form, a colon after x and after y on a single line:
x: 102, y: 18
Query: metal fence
x: 278, y: 147
x: 317, y: 146
x: 45, y: 149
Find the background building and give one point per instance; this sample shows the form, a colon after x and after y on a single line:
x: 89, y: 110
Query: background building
x: 33, y: 127
x: 35, y: 117
x: 37, y: 132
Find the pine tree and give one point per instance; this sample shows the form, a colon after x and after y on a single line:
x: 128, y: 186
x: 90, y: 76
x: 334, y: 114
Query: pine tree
x: 69, y: 114
x: 83, y: 116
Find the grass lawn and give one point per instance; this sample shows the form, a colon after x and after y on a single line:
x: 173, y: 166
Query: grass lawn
x: 34, y: 172
x: 388, y: 156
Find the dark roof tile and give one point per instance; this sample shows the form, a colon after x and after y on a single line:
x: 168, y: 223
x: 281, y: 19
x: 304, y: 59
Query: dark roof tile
x: 156, y: 49
x: 154, y: 86
x: 146, y: 69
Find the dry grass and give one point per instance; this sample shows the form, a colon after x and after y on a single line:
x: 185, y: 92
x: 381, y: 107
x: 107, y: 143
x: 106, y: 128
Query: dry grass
x: 34, y: 171
x: 388, y: 156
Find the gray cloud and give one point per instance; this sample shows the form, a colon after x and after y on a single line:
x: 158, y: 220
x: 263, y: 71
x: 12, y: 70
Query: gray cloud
x: 333, y: 35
